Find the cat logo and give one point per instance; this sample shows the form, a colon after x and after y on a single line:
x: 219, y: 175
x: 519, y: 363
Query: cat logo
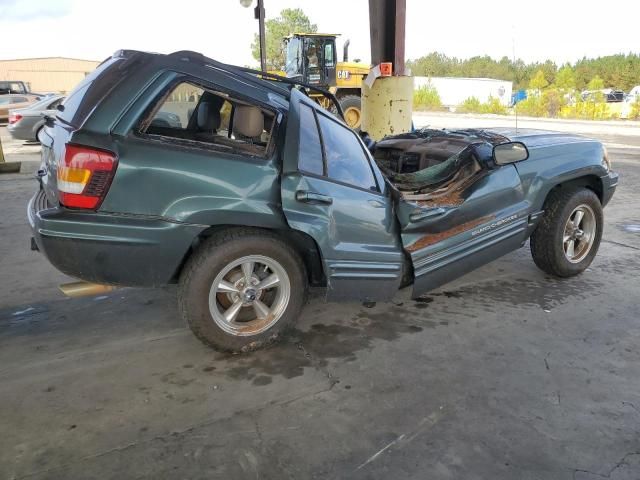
x: 344, y: 74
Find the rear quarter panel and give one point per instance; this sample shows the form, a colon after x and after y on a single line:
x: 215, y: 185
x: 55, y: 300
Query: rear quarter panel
x: 165, y: 179
x: 194, y: 185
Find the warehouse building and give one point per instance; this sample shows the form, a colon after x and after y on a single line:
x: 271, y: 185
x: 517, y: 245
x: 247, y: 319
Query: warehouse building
x: 455, y: 90
x: 47, y: 75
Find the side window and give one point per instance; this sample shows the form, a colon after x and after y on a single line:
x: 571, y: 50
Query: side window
x: 178, y: 108
x: 194, y: 114
x: 345, y: 158
x: 310, y: 148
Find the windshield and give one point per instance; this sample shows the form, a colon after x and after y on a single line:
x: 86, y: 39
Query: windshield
x: 292, y: 61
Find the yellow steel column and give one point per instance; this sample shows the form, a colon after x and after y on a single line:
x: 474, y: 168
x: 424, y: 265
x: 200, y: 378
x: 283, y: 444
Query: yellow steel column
x: 387, y: 106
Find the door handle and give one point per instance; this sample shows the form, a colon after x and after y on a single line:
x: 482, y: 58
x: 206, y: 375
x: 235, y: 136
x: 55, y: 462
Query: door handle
x: 425, y: 214
x: 313, y: 197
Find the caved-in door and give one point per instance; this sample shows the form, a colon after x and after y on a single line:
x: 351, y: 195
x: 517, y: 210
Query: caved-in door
x: 332, y: 192
x: 467, y: 220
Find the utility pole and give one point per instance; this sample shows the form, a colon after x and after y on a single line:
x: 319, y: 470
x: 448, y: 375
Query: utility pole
x: 259, y: 15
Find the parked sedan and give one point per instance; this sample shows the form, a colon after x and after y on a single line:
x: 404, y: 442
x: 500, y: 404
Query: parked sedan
x: 25, y: 123
x: 10, y: 102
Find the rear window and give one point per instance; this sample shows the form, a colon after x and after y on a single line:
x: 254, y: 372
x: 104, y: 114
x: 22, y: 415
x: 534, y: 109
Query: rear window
x: 90, y: 91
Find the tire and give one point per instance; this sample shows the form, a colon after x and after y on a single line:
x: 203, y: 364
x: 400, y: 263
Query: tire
x: 38, y: 133
x: 550, y: 242
x: 204, y: 308
x: 350, y: 104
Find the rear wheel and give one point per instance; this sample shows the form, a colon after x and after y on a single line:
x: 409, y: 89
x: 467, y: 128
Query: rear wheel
x: 241, y: 290
x: 568, y: 236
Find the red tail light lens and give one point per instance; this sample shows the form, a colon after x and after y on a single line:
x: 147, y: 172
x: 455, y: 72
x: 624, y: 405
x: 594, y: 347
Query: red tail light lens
x: 85, y: 175
x: 14, y: 118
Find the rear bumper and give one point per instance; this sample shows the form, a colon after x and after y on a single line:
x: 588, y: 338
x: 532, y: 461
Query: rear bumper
x: 609, y: 184
x: 106, y: 248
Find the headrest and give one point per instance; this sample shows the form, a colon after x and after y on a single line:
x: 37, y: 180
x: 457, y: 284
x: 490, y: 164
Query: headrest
x: 208, y: 116
x: 248, y: 121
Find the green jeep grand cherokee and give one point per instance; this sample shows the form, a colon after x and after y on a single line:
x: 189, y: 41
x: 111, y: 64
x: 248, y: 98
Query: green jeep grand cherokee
x: 177, y: 168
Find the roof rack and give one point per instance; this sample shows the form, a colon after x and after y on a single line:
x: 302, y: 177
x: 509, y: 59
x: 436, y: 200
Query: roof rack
x: 256, y: 77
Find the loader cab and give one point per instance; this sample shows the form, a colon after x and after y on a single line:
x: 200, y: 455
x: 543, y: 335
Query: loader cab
x: 311, y: 58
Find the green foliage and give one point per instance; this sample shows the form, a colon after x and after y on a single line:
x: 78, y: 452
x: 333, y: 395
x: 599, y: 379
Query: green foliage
x: 531, y: 106
x: 548, y: 104
x: 290, y: 20
x: 634, y: 113
x: 474, y: 105
x: 596, y: 83
x: 617, y: 71
x: 566, y: 79
x: 426, y: 98
x: 470, y: 105
x: 594, y: 108
x: 539, y: 81
x: 494, y: 106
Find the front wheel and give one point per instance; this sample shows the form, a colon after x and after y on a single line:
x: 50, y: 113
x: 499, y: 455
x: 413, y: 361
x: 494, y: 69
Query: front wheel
x: 568, y: 236
x: 241, y: 290
x: 352, y: 109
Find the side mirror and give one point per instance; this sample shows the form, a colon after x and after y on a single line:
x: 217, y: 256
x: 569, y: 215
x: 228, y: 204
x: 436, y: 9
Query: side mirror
x: 511, y: 152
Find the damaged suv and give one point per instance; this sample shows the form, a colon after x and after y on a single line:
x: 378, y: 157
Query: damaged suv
x: 179, y: 169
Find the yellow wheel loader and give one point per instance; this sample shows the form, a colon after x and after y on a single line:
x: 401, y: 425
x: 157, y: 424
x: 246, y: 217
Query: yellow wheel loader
x: 312, y: 58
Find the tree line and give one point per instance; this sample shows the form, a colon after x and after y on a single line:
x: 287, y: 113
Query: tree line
x: 621, y: 71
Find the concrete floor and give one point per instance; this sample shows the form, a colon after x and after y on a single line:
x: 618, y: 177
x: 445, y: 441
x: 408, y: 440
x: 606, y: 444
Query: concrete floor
x: 503, y: 374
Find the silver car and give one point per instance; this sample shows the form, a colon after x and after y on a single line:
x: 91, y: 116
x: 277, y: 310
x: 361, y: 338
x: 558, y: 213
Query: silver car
x: 25, y: 123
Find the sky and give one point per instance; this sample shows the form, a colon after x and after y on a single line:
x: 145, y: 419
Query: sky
x: 562, y: 30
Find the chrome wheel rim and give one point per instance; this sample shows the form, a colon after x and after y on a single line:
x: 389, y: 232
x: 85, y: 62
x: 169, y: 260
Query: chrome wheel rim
x: 249, y: 295
x: 579, y: 233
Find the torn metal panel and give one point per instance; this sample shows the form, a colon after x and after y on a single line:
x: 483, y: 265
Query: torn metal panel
x: 433, y: 238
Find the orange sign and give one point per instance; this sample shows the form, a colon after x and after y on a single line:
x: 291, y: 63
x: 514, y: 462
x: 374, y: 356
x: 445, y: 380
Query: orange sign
x: 386, y: 69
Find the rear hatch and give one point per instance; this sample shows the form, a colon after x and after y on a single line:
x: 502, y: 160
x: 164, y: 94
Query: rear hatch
x: 70, y: 117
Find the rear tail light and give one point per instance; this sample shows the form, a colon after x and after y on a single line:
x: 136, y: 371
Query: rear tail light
x: 14, y: 118
x: 85, y: 175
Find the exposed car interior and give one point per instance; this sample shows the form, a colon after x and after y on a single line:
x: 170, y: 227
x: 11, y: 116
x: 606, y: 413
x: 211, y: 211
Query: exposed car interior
x: 434, y: 166
x: 193, y: 114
